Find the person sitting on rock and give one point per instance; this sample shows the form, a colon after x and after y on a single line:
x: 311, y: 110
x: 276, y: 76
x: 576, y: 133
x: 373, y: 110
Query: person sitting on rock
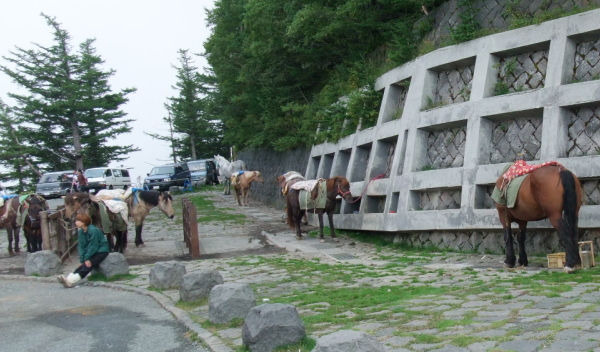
x: 93, y: 249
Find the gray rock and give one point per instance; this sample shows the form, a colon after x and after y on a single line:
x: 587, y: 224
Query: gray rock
x: 230, y: 301
x: 43, y: 263
x: 269, y: 326
x: 198, y: 284
x: 164, y: 275
x: 348, y: 341
x: 114, y: 264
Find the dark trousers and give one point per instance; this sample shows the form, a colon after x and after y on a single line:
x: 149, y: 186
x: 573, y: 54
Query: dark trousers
x: 96, y: 259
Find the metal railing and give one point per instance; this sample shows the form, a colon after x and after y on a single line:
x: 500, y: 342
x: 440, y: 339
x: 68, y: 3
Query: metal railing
x: 190, y: 228
x: 57, y: 235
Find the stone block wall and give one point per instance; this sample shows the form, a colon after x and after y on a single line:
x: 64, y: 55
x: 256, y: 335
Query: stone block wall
x: 492, y: 14
x: 440, y: 163
x: 271, y: 164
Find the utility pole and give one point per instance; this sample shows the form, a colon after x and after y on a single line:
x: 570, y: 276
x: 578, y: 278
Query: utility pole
x: 172, y: 139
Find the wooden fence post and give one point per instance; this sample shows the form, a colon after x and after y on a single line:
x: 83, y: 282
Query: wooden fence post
x: 46, y: 245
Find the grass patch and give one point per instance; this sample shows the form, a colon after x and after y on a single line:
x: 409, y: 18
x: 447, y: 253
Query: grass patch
x: 207, y: 212
x: 306, y: 345
x: 120, y: 277
x: 191, y: 305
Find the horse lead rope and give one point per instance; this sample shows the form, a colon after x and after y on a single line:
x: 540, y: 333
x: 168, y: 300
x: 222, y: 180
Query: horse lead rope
x: 363, y: 192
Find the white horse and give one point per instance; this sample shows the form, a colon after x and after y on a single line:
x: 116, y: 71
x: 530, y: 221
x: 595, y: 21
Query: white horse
x: 226, y: 168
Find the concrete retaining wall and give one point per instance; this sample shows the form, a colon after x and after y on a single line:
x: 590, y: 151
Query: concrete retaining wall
x: 437, y: 162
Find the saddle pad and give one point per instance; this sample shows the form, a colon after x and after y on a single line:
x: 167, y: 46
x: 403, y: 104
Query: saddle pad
x: 106, y: 224
x: 508, y: 195
x: 117, y: 207
x: 318, y: 203
x: 307, y: 185
x: 111, y: 194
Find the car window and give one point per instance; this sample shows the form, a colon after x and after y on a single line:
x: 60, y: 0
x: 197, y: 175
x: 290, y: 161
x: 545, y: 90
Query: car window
x: 93, y: 173
x: 197, y: 166
x: 125, y: 173
x: 162, y: 170
x: 178, y: 169
x: 48, y: 178
x: 117, y: 172
x: 107, y: 172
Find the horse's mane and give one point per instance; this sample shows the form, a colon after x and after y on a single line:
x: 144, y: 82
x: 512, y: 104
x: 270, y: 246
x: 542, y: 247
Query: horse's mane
x: 70, y: 198
x: 150, y: 197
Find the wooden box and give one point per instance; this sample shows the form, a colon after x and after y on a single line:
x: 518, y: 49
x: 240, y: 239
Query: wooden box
x: 556, y: 260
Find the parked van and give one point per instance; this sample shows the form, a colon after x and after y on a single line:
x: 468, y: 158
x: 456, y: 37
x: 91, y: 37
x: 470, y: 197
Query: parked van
x: 55, y: 184
x: 162, y: 178
x: 106, y: 178
x: 203, y: 172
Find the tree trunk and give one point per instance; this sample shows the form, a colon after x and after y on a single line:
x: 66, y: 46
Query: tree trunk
x: 77, y: 145
x: 193, y: 147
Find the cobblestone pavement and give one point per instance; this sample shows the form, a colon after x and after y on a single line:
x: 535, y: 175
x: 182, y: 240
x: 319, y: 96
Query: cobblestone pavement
x: 439, y: 301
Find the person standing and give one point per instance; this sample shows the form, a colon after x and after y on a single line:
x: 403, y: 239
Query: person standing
x: 81, y: 181
x: 93, y: 249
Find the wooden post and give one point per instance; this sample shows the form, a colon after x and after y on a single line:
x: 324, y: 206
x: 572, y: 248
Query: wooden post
x: 45, y: 231
x: 194, y: 241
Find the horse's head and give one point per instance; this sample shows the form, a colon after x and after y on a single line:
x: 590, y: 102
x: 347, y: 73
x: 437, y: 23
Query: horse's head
x: 74, y: 202
x: 35, y: 205
x: 341, y: 187
x: 257, y: 177
x: 165, y: 204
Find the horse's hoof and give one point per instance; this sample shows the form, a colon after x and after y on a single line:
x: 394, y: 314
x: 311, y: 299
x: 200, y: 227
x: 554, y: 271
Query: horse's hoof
x: 568, y: 270
x: 322, y: 240
x: 299, y: 238
x: 335, y: 239
x: 508, y: 266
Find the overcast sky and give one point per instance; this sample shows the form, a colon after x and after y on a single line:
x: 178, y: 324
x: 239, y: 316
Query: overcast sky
x: 139, y: 39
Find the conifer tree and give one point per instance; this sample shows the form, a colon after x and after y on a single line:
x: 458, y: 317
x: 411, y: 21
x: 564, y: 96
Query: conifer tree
x: 200, y: 135
x: 69, y: 108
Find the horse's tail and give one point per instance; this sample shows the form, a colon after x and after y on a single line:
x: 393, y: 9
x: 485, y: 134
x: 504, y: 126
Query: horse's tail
x: 290, y: 212
x: 569, y: 202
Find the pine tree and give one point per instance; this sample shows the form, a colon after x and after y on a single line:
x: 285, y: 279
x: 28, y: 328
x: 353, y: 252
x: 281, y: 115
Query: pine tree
x: 69, y: 109
x: 190, y: 112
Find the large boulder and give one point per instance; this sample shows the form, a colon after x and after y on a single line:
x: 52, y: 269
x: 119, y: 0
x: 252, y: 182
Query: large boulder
x: 269, y: 326
x: 230, y: 301
x: 165, y: 275
x: 114, y: 264
x: 198, y: 284
x: 348, y: 341
x: 43, y: 263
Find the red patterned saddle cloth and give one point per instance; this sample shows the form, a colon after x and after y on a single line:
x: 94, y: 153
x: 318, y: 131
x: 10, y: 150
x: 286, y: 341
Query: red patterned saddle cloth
x: 520, y: 168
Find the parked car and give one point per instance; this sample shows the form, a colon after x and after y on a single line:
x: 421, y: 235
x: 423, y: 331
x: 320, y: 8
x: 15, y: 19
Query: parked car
x: 203, y: 172
x: 106, y: 178
x: 163, y: 177
x: 55, y: 184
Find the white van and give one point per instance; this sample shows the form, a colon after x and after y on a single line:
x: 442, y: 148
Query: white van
x: 106, y: 178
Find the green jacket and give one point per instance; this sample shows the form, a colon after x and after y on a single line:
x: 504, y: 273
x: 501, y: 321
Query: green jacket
x: 91, y: 242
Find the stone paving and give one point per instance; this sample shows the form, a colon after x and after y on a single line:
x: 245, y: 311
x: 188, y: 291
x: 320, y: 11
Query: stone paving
x: 421, y: 301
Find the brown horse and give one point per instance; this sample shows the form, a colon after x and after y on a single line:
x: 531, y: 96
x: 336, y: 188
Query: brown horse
x: 140, y: 203
x: 335, y: 186
x: 81, y: 203
x: 549, y: 192
x: 32, y: 226
x: 241, y: 185
x: 11, y: 214
x: 8, y: 220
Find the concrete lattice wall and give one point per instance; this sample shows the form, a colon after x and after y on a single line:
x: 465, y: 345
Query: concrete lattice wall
x: 443, y: 135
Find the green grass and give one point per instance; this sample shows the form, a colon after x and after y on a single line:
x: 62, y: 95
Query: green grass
x: 121, y: 277
x: 208, y: 212
x: 306, y: 345
x: 191, y: 305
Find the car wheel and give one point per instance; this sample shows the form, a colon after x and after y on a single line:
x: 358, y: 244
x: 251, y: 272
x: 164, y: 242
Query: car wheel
x: 125, y: 187
x: 110, y: 187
